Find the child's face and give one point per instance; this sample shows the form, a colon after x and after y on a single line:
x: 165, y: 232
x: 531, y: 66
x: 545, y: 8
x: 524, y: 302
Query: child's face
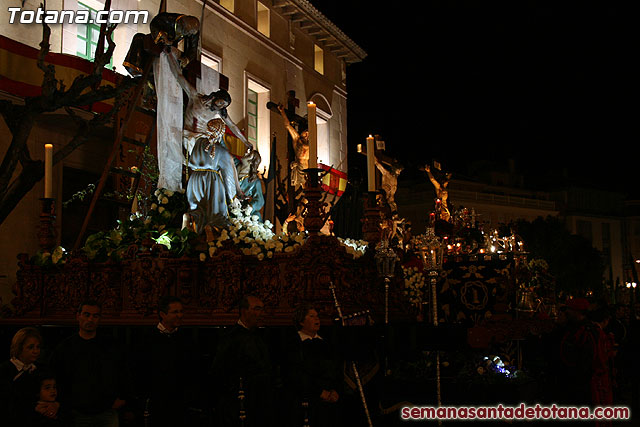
x: 48, y: 391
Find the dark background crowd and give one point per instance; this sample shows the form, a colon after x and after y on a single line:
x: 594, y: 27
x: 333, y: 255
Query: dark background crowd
x: 245, y: 375
x: 164, y: 378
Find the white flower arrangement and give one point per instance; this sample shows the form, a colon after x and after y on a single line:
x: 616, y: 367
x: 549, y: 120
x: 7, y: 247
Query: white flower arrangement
x: 357, y: 248
x: 254, y: 238
x: 414, y: 285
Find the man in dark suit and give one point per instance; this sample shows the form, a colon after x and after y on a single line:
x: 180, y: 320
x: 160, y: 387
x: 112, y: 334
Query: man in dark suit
x: 168, y: 367
x: 242, y: 366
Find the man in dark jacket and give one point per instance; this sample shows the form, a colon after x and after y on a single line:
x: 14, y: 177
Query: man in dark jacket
x: 91, y: 372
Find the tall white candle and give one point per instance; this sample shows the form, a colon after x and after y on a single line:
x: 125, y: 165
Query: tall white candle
x: 371, y: 166
x: 313, y: 135
x: 48, y: 167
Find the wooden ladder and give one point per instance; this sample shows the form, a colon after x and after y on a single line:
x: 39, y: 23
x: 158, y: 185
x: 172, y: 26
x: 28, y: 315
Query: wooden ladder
x: 109, y: 169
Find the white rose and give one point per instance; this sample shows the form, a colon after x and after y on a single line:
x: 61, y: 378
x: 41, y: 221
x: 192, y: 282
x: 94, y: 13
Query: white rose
x: 168, y: 193
x: 260, y: 256
x: 212, y: 250
x: 269, y: 254
x: 154, y: 206
x: 165, y: 200
x: 202, y: 257
x: 160, y: 209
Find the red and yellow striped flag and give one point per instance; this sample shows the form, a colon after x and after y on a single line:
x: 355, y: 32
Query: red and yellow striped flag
x: 234, y: 144
x: 20, y: 75
x: 334, y: 182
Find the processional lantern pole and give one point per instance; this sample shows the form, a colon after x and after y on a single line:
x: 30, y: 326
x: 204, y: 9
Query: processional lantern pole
x: 431, y: 251
x: 386, y: 263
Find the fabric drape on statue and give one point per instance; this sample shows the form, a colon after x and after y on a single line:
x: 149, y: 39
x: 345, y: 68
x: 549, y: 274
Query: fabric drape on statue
x: 169, y: 125
x: 209, y: 80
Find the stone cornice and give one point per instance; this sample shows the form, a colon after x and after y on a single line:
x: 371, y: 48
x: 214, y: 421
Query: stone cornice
x: 313, y: 23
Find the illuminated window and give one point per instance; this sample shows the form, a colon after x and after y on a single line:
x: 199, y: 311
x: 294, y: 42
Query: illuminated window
x: 264, y: 20
x: 258, y: 121
x: 209, y: 79
x: 252, y: 115
x: 318, y: 62
x: 88, y: 36
x: 228, y: 4
x: 211, y: 61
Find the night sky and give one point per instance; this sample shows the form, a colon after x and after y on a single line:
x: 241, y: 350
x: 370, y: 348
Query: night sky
x: 548, y: 84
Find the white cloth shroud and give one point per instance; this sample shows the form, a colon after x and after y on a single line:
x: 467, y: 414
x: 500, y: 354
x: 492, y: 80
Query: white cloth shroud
x: 169, y: 124
x: 170, y: 118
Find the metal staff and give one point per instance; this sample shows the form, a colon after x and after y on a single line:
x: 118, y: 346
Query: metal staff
x: 242, y: 415
x: 146, y: 414
x: 353, y: 363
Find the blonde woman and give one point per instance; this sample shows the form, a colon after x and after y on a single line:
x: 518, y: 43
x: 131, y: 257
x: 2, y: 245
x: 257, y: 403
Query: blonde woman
x: 18, y: 380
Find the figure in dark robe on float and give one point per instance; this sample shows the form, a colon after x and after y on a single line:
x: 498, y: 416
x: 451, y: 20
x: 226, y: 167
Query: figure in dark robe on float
x: 167, y: 29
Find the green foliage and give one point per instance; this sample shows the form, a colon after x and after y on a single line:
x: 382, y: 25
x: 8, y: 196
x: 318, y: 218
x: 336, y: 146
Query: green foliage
x: 574, y: 263
x: 80, y: 195
x: 57, y: 257
x: 162, y: 225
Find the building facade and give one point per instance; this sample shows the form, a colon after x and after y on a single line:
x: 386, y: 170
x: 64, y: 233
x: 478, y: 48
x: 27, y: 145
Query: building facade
x: 265, y: 49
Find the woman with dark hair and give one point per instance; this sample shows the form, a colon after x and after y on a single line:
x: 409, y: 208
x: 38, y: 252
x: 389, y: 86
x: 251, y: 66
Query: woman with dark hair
x: 18, y: 380
x: 312, y: 378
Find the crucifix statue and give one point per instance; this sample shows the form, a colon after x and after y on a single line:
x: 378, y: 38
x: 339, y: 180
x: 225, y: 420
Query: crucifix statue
x: 442, y: 194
